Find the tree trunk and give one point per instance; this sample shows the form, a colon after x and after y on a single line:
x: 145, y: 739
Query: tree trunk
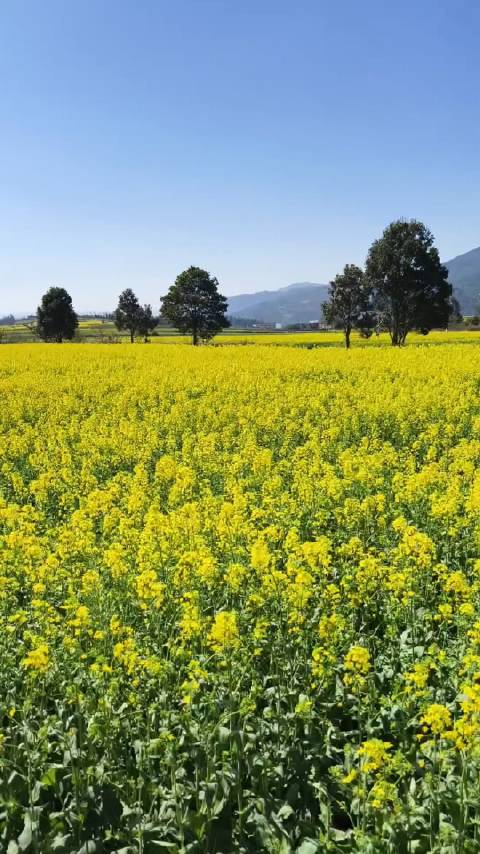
x: 395, y: 335
x: 347, y: 337
x: 194, y: 337
x: 398, y: 335
x: 131, y: 336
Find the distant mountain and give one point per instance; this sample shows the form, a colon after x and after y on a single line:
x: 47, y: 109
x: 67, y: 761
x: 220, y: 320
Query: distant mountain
x: 464, y: 275
x: 302, y: 301
x: 297, y: 303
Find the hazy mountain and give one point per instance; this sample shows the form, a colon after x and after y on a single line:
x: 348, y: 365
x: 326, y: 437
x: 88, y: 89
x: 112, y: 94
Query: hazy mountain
x: 464, y: 274
x: 301, y: 302
x: 297, y: 303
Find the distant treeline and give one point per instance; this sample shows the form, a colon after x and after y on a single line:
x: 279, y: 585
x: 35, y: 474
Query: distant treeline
x: 402, y: 288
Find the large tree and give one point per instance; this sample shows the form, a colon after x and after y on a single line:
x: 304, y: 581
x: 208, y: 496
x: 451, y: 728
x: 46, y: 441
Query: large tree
x: 128, y: 312
x: 193, y: 305
x: 409, y: 284
x: 56, y: 318
x: 349, y: 301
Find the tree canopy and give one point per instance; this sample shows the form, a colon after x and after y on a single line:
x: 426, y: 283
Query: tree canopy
x: 348, y: 306
x: 409, y: 284
x: 146, y: 321
x: 194, y: 306
x: 127, y: 313
x: 56, y: 319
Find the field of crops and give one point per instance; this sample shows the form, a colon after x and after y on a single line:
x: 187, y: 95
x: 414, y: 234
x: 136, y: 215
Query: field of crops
x: 240, y: 599
x: 98, y: 331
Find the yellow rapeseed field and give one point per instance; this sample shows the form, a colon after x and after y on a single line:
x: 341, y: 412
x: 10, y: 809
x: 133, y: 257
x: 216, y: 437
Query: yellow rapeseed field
x: 240, y: 598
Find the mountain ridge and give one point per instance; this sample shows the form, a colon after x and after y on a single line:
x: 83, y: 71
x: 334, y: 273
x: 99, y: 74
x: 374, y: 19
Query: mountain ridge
x: 464, y: 274
x: 301, y: 302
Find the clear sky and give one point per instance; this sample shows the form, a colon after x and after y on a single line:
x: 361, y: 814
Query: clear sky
x: 269, y: 141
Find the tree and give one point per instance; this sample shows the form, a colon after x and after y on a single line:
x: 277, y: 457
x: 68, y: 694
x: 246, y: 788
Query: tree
x: 127, y: 313
x: 56, y: 318
x: 146, y: 321
x: 193, y: 305
x: 409, y: 284
x: 348, y: 303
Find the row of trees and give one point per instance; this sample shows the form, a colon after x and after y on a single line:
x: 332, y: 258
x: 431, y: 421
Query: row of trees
x: 193, y: 305
x: 404, y: 287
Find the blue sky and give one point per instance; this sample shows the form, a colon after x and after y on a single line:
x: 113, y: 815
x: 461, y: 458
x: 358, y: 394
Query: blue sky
x: 269, y: 142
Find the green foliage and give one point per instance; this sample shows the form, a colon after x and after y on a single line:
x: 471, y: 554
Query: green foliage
x: 56, y: 318
x: 410, y: 285
x: 146, y: 321
x: 128, y: 313
x: 349, y: 302
x: 193, y: 305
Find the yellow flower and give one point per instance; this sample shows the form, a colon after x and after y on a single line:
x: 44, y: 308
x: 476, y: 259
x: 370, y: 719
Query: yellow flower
x: 466, y: 609
x: 356, y: 665
x: 37, y: 659
x: 224, y: 635
x: 115, y: 625
x: 236, y: 575
x: 465, y: 733
x: 471, y: 701
x: 383, y: 795
x: 303, y: 707
x: 90, y: 580
x: 436, y: 719
x: 190, y: 622
x: 417, y: 678
x: 114, y: 558
x: 445, y: 613
x: 81, y: 618
x: 206, y: 570
x: 374, y: 754
x: 149, y: 588
x: 126, y: 653
x: 457, y: 584
x: 260, y: 557
x: 350, y: 777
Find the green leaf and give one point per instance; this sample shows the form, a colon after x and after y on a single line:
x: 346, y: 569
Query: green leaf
x: 49, y: 778
x: 25, y: 838
x: 61, y: 842
x: 308, y: 846
x: 285, y: 812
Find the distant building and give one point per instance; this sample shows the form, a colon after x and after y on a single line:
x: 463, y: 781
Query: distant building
x: 279, y: 325
x: 264, y: 327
